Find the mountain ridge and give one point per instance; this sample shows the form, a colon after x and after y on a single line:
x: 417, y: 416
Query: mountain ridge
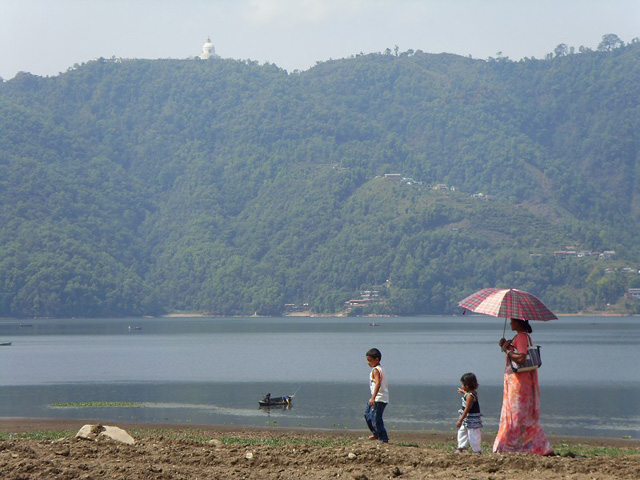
x: 145, y: 186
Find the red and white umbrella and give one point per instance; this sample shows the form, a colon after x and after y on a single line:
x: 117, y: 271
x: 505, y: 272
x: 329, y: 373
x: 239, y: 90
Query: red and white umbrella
x: 507, y: 303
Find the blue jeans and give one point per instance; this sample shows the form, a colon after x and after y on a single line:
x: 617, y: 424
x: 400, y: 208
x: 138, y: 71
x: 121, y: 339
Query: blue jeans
x: 373, y: 416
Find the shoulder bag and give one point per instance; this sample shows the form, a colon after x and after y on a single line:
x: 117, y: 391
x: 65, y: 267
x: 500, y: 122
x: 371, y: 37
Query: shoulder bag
x: 531, y: 362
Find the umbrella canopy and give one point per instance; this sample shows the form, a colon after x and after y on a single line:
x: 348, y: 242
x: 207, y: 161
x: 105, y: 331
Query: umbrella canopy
x: 507, y: 302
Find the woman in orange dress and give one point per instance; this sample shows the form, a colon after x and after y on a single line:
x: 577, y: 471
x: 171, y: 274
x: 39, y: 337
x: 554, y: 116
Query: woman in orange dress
x: 520, y: 429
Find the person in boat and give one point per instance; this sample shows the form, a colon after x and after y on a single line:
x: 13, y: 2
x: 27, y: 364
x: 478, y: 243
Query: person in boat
x: 267, y: 398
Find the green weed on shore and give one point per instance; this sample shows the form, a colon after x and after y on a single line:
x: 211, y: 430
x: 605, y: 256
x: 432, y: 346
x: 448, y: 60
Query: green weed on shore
x: 579, y: 450
x: 201, y: 436
x: 40, y: 435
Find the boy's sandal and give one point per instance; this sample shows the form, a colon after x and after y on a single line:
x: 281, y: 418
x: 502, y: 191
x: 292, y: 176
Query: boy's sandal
x: 373, y: 437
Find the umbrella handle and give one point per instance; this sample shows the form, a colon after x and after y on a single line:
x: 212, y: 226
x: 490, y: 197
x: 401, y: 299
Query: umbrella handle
x: 504, y: 329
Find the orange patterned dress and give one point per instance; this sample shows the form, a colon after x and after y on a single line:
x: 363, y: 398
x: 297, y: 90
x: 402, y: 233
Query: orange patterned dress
x: 520, y: 429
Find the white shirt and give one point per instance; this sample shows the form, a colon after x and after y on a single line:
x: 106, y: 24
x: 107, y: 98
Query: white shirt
x: 383, y: 393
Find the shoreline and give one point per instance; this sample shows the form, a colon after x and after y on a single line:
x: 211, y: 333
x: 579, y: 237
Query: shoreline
x: 30, y: 424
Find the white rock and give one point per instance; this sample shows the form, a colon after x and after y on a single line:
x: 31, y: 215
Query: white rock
x: 92, y: 432
x: 118, y: 434
x: 86, y: 432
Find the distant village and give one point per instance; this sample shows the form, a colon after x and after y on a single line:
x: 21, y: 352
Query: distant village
x: 367, y: 297
x: 376, y: 295
x: 631, y: 294
x: 575, y: 253
x: 436, y: 186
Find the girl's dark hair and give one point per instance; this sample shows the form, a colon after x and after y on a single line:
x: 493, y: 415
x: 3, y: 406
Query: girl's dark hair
x: 469, y: 380
x: 374, y: 353
x: 525, y: 325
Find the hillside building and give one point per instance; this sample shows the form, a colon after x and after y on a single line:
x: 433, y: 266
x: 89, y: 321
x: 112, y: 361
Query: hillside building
x: 208, y: 50
x: 633, y: 293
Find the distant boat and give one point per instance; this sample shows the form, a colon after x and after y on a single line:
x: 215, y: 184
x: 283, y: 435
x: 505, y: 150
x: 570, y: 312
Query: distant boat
x: 135, y: 327
x: 269, y: 401
x: 5, y: 344
x: 26, y: 325
x: 374, y: 324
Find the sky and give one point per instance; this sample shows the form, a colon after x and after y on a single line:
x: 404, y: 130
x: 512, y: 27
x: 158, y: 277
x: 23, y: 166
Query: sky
x: 47, y: 37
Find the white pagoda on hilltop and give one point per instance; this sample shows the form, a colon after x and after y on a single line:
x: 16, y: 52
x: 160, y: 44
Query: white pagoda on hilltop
x: 208, y: 50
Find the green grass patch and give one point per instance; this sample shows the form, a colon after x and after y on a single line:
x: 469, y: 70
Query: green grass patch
x: 201, y: 436
x: 38, y: 435
x: 297, y: 441
x: 450, y: 446
x: 252, y: 441
x: 579, y: 450
x: 95, y: 404
x: 563, y: 450
x: 407, y: 444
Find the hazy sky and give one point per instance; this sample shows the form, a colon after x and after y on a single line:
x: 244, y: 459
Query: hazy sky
x: 46, y: 37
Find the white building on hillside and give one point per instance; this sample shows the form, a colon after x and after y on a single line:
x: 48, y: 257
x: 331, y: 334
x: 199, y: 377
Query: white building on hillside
x: 208, y: 50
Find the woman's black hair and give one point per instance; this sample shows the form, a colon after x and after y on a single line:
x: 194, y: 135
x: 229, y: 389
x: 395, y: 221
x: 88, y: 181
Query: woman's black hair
x: 469, y: 380
x: 525, y: 325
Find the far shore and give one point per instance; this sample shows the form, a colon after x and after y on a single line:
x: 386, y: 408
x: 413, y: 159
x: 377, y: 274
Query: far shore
x: 322, y: 315
x: 343, y: 315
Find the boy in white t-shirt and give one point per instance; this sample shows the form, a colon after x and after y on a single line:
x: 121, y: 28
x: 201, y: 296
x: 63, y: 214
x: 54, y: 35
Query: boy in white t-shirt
x: 379, y: 397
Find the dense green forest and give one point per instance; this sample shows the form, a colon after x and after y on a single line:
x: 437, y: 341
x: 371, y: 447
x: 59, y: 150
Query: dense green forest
x: 132, y: 187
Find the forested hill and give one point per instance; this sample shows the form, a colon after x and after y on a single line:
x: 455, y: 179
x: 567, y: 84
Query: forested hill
x: 144, y: 186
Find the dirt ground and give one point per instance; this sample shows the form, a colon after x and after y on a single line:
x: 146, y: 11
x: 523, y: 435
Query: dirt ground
x: 224, y: 452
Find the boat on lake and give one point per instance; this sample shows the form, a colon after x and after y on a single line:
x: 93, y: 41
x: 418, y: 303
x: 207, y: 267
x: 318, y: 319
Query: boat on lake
x: 5, y: 344
x: 269, y: 401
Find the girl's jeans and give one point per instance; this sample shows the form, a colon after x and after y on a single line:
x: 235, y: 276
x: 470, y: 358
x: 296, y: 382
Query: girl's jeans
x: 373, y: 416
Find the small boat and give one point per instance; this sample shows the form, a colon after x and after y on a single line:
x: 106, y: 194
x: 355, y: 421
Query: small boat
x: 25, y: 325
x: 269, y: 401
x: 374, y: 324
x: 5, y: 344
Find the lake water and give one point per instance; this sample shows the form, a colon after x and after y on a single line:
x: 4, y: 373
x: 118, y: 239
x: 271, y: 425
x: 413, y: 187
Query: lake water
x: 214, y: 370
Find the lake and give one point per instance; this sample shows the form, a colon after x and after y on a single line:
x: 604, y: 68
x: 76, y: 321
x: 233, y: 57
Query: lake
x: 214, y: 370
